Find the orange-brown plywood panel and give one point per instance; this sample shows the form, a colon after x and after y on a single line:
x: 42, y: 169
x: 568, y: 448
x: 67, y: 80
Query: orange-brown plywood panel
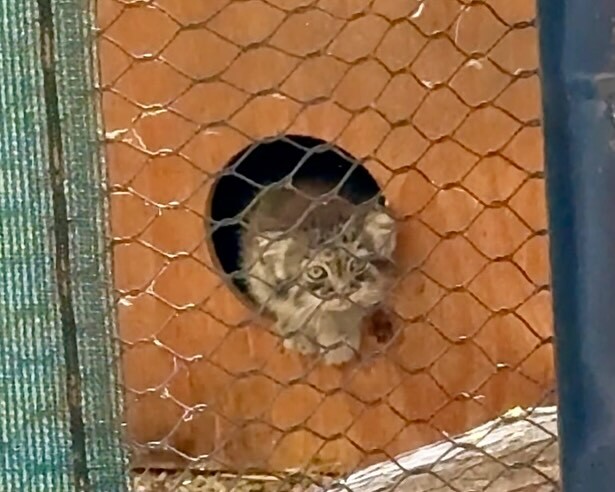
x: 440, y: 100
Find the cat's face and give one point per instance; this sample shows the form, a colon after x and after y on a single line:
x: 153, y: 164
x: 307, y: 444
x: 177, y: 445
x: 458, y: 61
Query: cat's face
x: 339, y: 269
x: 339, y: 277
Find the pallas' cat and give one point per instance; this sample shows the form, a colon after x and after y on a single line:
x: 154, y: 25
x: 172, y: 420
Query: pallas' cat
x: 318, y: 263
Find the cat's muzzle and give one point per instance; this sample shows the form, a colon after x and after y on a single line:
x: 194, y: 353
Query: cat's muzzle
x: 338, y: 304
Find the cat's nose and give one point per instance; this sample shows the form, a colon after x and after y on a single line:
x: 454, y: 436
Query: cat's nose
x: 347, y: 289
x: 354, y: 285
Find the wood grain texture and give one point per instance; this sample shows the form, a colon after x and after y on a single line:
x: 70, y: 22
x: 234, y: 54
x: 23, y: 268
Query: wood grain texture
x: 517, y: 452
x: 441, y: 101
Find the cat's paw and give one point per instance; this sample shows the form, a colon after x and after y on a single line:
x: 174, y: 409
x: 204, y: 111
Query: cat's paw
x: 300, y: 344
x: 339, y: 355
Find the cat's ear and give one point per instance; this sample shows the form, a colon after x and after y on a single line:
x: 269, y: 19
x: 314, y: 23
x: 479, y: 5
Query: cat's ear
x: 380, y: 231
x: 273, y: 244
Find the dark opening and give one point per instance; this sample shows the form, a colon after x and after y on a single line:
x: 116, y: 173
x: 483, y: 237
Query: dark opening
x: 273, y: 161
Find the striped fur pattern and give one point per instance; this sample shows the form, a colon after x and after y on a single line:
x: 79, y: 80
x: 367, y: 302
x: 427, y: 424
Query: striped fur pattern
x: 318, y: 264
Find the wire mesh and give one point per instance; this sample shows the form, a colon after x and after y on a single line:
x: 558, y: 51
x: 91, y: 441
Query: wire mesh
x: 438, y: 101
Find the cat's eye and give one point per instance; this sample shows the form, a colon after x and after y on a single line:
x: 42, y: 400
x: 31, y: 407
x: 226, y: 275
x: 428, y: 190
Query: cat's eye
x: 316, y: 273
x: 357, y: 265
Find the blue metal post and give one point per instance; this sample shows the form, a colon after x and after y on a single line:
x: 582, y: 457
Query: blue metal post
x: 577, y: 41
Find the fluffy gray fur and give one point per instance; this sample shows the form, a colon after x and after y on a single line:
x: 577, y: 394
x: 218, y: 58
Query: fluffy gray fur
x: 319, y: 264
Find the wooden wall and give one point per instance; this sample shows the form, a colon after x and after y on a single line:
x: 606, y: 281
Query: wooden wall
x: 441, y: 100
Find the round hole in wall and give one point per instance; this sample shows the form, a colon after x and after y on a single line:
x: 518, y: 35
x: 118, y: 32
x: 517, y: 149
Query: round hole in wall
x: 268, y: 162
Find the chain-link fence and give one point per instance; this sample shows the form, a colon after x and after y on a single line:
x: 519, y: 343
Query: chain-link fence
x: 264, y: 157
